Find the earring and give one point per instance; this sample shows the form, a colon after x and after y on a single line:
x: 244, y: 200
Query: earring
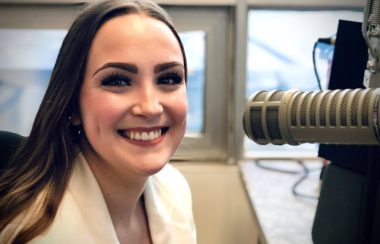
x: 75, y: 129
x: 69, y: 121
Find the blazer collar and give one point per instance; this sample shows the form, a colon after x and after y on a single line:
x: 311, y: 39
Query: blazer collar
x: 87, y: 193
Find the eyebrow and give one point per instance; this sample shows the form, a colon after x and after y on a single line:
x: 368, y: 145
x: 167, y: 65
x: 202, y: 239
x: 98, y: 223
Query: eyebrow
x: 124, y: 66
x: 132, y: 68
x: 162, y: 67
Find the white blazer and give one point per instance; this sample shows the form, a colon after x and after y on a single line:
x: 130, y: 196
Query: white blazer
x: 83, y: 216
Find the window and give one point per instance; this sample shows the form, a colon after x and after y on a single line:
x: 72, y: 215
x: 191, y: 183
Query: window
x: 194, y: 44
x: 280, y: 45
x: 205, y: 39
x: 26, y: 61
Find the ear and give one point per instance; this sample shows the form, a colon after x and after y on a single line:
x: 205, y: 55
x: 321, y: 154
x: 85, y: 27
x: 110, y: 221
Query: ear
x: 75, y: 119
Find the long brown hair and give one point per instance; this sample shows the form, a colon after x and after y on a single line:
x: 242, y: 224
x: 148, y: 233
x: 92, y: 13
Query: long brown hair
x: 44, y: 163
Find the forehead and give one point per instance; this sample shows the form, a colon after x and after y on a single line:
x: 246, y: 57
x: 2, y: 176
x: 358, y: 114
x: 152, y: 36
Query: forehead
x: 127, y: 35
x: 136, y: 23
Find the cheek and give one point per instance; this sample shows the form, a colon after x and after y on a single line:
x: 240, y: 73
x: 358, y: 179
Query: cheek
x: 183, y: 111
x: 100, y: 112
x: 180, y: 107
x: 182, y: 115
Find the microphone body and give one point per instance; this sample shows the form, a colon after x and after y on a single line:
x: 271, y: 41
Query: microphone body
x: 327, y: 117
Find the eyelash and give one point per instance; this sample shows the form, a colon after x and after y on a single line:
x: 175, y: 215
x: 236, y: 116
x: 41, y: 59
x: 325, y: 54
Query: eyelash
x: 175, y: 79
x: 116, y: 80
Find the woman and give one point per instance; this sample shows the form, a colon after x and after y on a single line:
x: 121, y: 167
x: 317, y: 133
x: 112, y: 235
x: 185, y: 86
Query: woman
x: 94, y: 168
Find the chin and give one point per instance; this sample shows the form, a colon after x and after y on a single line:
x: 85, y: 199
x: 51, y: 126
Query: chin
x: 151, y: 169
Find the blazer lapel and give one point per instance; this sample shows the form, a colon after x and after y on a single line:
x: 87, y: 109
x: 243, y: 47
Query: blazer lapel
x: 158, y: 212
x: 83, y: 215
x: 167, y: 202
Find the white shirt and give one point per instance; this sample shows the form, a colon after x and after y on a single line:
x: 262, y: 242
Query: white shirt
x: 83, y: 216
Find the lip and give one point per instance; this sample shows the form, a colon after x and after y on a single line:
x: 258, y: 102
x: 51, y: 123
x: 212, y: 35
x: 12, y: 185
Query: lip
x: 144, y: 143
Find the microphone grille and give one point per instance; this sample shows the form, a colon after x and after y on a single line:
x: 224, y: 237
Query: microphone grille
x: 324, y: 108
x: 343, y: 112
x: 313, y: 109
x: 365, y: 110
x: 332, y: 111
x: 303, y: 111
x: 259, y: 97
x: 276, y: 96
x: 345, y: 108
x: 255, y: 121
x: 263, y: 115
x: 354, y: 109
x: 294, y: 111
x: 273, y: 126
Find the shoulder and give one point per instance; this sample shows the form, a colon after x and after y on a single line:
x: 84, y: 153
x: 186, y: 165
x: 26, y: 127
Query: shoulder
x: 9, y: 143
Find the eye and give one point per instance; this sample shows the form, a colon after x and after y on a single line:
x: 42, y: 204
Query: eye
x: 116, y: 80
x: 170, y: 79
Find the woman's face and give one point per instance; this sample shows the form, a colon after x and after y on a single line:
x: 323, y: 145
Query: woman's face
x: 133, y: 101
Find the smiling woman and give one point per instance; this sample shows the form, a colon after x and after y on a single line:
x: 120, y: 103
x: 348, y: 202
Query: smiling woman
x: 94, y: 168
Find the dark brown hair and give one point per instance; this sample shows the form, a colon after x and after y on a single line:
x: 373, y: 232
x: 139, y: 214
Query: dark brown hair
x: 44, y: 163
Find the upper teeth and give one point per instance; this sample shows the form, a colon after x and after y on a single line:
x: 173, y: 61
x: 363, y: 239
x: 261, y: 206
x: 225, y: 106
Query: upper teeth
x: 143, y: 136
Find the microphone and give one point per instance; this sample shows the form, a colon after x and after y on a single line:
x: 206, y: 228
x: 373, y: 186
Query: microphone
x: 328, y: 117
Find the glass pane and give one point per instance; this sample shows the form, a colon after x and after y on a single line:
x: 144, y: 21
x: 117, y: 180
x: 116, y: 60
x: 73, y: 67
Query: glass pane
x: 27, y: 58
x: 194, y: 43
x: 280, y: 47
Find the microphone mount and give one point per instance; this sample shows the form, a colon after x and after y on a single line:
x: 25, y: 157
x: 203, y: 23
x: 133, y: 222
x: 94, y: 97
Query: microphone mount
x: 371, y: 34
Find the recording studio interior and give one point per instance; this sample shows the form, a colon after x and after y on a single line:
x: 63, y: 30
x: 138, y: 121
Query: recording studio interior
x: 283, y: 120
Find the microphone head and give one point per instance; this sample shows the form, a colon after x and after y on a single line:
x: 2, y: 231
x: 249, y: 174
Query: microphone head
x: 262, y: 115
x: 294, y: 117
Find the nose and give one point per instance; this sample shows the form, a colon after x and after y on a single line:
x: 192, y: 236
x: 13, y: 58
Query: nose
x: 148, y: 103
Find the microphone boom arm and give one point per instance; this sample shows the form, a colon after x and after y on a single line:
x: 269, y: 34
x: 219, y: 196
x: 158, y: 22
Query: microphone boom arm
x: 371, y: 34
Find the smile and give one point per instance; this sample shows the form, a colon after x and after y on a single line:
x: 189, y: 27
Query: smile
x: 143, y: 135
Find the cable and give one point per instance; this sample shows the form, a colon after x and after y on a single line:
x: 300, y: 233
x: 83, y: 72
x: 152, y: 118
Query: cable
x: 315, y: 67
x: 305, y: 171
x: 329, y: 41
x: 276, y: 169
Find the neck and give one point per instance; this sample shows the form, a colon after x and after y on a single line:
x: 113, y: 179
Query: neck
x: 123, y: 196
x: 122, y: 202
x: 122, y: 193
